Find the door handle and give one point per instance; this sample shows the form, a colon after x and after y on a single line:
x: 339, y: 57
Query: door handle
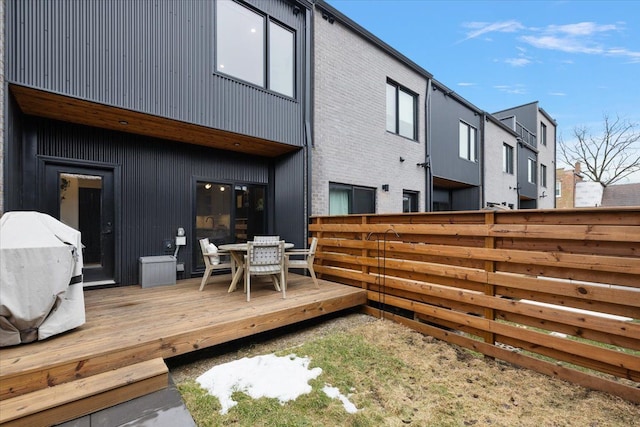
x: 108, y: 229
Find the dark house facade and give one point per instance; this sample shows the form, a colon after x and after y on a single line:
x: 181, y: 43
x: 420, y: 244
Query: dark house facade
x: 455, y: 150
x: 136, y: 121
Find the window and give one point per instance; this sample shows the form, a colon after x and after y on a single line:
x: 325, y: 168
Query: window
x: 226, y: 213
x: 401, y: 111
x: 349, y: 199
x: 507, y: 158
x: 213, y: 217
x: 281, y: 66
x: 241, y: 50
x: 531, y: 170
x: 543, y: 175
x: 409, y: 201
x: 467, y: 141
x: 543, y: 133
x: 558, y: 189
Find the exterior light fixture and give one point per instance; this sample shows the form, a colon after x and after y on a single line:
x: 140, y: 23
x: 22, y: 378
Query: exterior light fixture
x: 207, y: 185
x: 385, y: 187
x: 123, y: 122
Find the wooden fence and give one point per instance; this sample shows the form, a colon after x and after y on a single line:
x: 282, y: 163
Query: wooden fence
x: 555, y: 291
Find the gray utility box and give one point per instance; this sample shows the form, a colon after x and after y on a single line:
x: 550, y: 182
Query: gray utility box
x: 157, y: 270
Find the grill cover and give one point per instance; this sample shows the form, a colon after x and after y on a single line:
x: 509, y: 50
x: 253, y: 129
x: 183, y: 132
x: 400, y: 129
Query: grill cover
x: 40, y: 278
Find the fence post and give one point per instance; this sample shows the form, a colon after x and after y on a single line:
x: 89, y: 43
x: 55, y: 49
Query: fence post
x: 365, y: 252
x: 490, y: 267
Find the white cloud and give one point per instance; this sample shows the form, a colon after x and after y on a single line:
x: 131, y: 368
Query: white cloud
x: 480, y: 28
x: 466, y: 84
x: 557, y: 94
x: 581, y: 28
x: 517, y: 62
x: 581, y: 37
x: 517, y: 89
x: 563, y: 44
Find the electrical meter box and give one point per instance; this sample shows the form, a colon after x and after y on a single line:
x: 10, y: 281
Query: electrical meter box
x: 157, y: 271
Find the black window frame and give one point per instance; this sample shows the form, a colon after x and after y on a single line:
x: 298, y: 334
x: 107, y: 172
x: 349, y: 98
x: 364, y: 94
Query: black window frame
x: 414, y: 200
x: 399, y: 88
x: 532, y: 170
x: 353, y: 196
x: 543, y: 134
x: 507, y: 158
x: 543, y: 175
x: 469, y: 142
x: 267, y: 20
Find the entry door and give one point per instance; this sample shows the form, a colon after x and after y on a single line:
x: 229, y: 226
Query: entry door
x: 83, y: 198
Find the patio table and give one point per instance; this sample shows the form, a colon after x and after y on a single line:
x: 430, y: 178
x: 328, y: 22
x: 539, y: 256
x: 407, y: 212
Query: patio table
x: 238, y: 251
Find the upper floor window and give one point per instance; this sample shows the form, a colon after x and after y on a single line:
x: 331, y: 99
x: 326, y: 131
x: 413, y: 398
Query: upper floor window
x: 401, y: 111
x: 467, y: 142
x: 558, y: 189
x: 507, y: 158
x: 531, y: 170
x: 543, y: 134
x: 543, y: 175
x: 247, y: 41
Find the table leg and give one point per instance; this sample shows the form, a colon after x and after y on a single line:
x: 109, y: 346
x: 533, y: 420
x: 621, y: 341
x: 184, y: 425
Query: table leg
x: 238, y: 259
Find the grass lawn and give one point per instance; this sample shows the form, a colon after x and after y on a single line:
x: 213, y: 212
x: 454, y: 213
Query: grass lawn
x: 398, y: 377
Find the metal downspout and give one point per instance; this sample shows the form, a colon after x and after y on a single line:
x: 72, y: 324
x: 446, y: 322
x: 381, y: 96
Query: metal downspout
x: 428, y: 185
x: 482, y: 172
x: 308, y: 116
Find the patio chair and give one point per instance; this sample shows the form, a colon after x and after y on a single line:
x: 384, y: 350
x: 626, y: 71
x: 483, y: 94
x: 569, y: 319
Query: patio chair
x: 265, y: 258
x: 308, y: 255
x: 266, y: 238
x: 224, y: 261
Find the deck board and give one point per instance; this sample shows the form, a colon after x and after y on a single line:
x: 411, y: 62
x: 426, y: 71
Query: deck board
x: 127, y: 325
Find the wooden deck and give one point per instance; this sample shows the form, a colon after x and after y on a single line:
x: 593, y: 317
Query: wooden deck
x: 130, y: 325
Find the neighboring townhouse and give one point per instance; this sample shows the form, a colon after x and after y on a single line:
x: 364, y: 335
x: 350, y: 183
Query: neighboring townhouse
x: 136, y: 120
x: 536, y: 154
x: 388, y: 137
x: 368, y: 151
x: 455, y: 150
x: 500, y: 180
x: 566, y: 181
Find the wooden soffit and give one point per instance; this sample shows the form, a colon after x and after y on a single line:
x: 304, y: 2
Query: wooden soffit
x: 68, y: 109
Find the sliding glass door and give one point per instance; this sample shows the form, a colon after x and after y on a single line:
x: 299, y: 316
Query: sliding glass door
x: 227, y: 213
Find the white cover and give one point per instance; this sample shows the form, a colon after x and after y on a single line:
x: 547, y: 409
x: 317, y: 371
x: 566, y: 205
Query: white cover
x: 40, y: 278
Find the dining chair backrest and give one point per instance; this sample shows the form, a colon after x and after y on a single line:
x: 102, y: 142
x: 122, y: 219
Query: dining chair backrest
x: 261, y: 253
x: 217, y: 260
x: 266, y: 238
x: 204, y: 244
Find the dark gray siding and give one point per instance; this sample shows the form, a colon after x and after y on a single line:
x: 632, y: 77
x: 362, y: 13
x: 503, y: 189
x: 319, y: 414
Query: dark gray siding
x: 155, y: 57
x: 446, y: 114
x: 526, y: 188
x: 155, y: 191
x: 289, y: 223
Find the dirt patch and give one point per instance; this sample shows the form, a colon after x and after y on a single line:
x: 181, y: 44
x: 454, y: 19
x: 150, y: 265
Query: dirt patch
x: 442, y: 384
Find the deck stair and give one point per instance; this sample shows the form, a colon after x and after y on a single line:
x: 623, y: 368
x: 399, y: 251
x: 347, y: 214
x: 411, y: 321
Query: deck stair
x: 73, y: 399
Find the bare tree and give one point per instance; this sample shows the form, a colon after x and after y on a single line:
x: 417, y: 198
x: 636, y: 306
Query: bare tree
x: 609, y: 156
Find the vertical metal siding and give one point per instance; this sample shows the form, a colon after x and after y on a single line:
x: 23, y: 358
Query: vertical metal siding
x: 155, y: 57
x: 156, y: 175
x: 446, y: 162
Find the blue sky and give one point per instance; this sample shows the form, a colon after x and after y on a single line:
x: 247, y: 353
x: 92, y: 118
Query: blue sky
x: 579, y: 59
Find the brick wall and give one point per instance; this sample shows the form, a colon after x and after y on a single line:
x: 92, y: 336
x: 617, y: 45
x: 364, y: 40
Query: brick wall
x: 351, y: 144
x: 567, y: 180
